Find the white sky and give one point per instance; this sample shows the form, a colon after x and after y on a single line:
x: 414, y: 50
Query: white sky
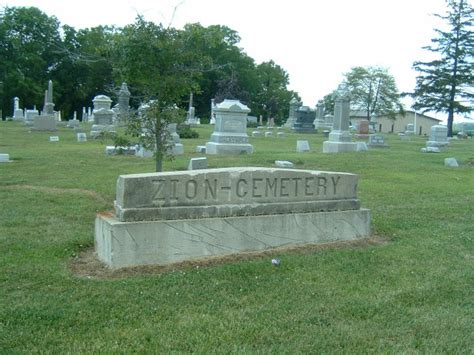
x: 315, y: 41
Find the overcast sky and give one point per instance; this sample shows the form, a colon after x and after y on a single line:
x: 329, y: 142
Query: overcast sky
x: 315, y: 41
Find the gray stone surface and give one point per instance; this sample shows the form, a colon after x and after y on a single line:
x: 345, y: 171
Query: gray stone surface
x: 4, y: 158
x: 54, y: 139
x: 340, y: 139
x: 430, y: 150
x: 377, y: 141
x: 284, y: 164
x: 438, y: 136
x: 451, y: 162
x: 201, y: 149
x: 304, y: 120
x: 44, y: 123
x: 230, y: 131
x: 294, y: 105
x: 113, y: 150
x: 144, y: 153
x: 122, y: 244
x: 302, y: 146
x: 232, y: 192
x: 256, y: 134
x: 268, y: 134
x: 197, y: 163
x: 361, y: 146
x: 281, y: 135
x: 169, y: 217
x: 81, y: 137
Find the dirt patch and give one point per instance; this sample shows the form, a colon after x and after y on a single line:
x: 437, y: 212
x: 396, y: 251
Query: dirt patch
x: 55, y: 190
x: 86, y: 264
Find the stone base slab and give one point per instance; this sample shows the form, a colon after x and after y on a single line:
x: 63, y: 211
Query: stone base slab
x: 122, y: 244
x: 338, y: 147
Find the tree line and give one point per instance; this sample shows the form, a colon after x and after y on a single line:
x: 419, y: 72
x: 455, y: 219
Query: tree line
x: 165, y: 63
x: 154, y: 61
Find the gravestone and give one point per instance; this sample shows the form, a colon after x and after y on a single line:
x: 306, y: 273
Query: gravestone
x: 54, y: 139
x: 190, y: 116
x: 430, y: 150
x: 5, y: 158
x: 81, y: 137
x: 319, y: 122
x: 18, y: 114
x: 284, y: 164
x: 377, y: 141
x: 294, y: 104
x: 178, y: 148
x: 361, y: 147
x: 340, y: 139
x: 47, y: 120
x: 438, y: 136
x: 213, y: 114
x: 163, y: 218
x: 123, y: 104
x: 281, y: 135
x: 142, y: 152
x: 410, y: 129
x: 304, y: 120
x: 451, y: 162
x: 230, y: 131
x: 201, y: 149
x: 103, y: 116
x: 268, y: 134
x: 363, y: 129
x: 302, y: 146
x: 197, y: 163
x: 256, y: 134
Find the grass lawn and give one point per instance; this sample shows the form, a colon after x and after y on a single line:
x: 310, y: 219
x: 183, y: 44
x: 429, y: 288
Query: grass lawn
x: 413, y: 293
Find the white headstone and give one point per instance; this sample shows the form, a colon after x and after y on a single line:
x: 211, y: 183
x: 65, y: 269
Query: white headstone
x: 4, y: 158
x: 268, y: 134
x: 81, y: 137
x: 284, y: 164
x: 302, y: 146
x: 197, y: 163
x: 54, y: 139
x: 451, y: 162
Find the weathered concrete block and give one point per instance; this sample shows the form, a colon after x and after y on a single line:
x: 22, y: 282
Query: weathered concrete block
x: 122, y: 244
x: 168, y: 217
x: 232, y: 192
x: 197, y: 163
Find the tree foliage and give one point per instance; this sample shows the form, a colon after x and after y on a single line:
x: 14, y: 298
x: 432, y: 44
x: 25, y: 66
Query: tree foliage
x: 374, y: 91
x: 446, y: 83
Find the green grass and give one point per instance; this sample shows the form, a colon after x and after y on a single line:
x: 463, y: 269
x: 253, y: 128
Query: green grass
x: 413, y: 294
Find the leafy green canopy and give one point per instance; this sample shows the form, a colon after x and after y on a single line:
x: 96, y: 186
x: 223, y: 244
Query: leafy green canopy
x: 374, y: 91
x: 446, y: 83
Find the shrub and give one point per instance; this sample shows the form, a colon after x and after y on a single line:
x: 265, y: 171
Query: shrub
x: 185, y: 131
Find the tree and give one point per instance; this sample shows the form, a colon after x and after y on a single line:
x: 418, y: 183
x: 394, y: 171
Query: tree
x: 271, y: 97
x: 29, y: 43
x: 445, y: 84
x: 160, y: 70
x: 374, y: 91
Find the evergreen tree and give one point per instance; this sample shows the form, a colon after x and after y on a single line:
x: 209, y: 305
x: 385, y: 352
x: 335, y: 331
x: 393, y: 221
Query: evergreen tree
x: 446, y: 83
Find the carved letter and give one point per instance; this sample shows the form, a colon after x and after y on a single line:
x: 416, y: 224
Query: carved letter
x: 335, y: 182
x: 191, y: 189
x: 240, y: 190
x: 307, y: 186
x: 173, y: 189
x: 255, y: 187
x: 271, y: 186
x: 160, y: 184
x: 283, y: 187
x: 296, y: 180
x: 322, y: 182
x: 210, y: 189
